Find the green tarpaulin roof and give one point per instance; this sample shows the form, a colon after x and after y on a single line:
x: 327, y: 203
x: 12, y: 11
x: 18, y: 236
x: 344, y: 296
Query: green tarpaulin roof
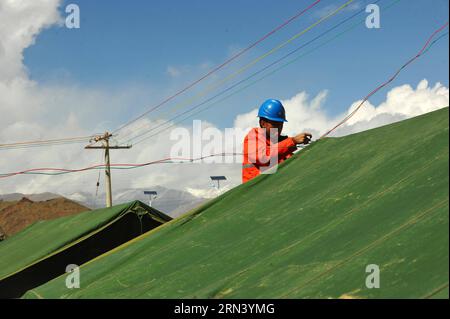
x: 44, y: 238
x: 308, y: 231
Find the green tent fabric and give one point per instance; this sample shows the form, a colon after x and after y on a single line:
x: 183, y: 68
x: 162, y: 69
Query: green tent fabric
x: 67, y: 238
x: 309, y: 231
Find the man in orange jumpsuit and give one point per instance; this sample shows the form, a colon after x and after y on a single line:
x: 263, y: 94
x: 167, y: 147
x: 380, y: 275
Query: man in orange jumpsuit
x: 265, y: 147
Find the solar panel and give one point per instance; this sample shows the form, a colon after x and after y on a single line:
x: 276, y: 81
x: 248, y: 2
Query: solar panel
x: 218, y: 178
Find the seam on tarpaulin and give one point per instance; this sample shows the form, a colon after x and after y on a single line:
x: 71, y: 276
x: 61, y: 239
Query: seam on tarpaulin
x: 435, y: 292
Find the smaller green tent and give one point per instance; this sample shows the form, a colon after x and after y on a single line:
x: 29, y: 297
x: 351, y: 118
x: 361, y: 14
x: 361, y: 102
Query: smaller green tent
x: 43, y: 250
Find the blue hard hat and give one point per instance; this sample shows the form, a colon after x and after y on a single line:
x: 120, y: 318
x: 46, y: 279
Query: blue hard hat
x: 272, y: 110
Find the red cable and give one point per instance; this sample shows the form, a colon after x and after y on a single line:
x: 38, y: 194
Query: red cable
x: 220, y: 66
x: 387, y: 82
x: 115, y: 165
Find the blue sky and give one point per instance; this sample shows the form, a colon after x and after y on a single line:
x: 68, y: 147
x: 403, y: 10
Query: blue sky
x: 123, y: 44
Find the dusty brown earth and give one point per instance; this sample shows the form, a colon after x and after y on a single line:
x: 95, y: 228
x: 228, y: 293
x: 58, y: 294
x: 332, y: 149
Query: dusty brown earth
x: 16, y: 215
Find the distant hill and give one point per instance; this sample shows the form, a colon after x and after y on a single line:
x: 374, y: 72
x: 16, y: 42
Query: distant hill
x: 4, y: 204
x: 16, y: 215
x: 34, y: 197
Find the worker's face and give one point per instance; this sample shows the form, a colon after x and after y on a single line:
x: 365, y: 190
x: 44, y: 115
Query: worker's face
x: 268, y: 125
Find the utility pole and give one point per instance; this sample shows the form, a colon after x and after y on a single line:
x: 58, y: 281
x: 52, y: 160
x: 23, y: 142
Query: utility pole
x: 105, y: 141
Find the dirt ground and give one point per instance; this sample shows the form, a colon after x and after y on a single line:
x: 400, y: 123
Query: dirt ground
x: 17, y: 215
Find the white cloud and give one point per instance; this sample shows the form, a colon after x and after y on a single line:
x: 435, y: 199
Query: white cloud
x: 402, y: 102
x: 208, y: 192
x: 20, y: 22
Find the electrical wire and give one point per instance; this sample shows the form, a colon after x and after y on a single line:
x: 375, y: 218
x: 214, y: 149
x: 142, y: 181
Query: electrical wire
x: 252, y: 76
x: 274, y: 71
x: 82, y: 139
x: 234, y: 57
x: 97, y: 184
x: 61, y: 171
x: 253, y: 62
x: 39, y: 143
x: 418, y: 55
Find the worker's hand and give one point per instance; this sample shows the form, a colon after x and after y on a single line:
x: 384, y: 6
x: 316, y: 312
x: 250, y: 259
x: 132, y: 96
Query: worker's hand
x: 303, y: 138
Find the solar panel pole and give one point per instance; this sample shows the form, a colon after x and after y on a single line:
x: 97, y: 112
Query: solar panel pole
x: 151, y: 195
x: 105, y: 139
x: 218, y: 179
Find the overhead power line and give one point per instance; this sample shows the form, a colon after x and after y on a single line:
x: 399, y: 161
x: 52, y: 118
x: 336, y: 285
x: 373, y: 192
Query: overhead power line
x: 253, y: 62
x: 41, y: 143
x: 141, y: 137
x: 428, y: 47
x: 418, y: 55
x: 61, y: 171
x: 38, y: 143
x: 215, y: 69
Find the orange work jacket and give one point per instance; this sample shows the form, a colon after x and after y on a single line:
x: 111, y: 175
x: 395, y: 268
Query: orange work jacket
x: 258, y: 154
